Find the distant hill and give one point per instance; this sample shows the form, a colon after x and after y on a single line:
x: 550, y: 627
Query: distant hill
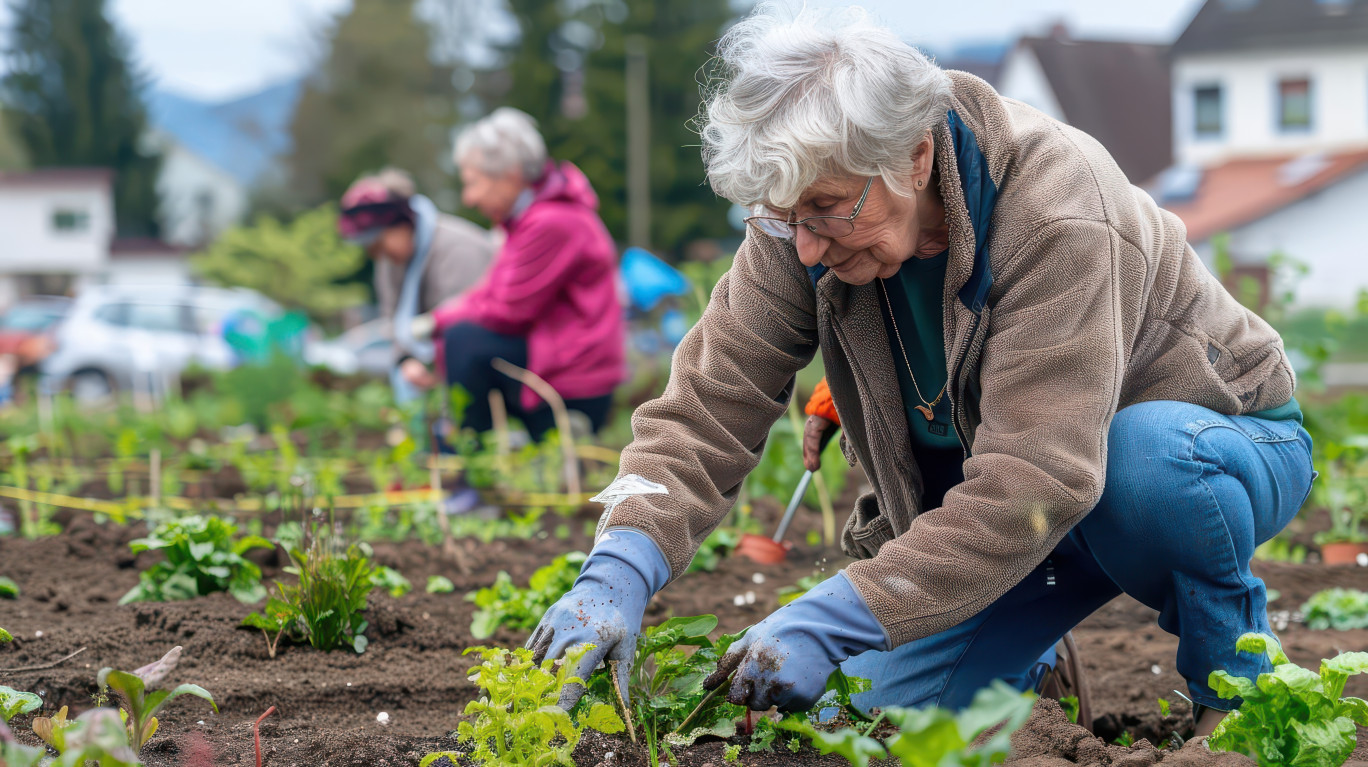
x: 244, y: 136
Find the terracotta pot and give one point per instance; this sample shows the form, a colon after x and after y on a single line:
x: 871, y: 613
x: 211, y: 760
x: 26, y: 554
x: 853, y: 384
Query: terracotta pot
x: 762, y: 550
x: 1342, y: 553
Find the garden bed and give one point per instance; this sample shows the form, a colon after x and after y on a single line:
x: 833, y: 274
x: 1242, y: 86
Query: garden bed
x: 327, y: 704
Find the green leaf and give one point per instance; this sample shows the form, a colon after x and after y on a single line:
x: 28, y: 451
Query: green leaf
x: 8, y: 588
x: 156, y: 699
x: 934, y: 737
x: 1323, y: 744
x: 247, y: 593
x: 604, y: 718
x: 5, y: 636
x: 15, y: 702
x: 360, y: 643
x: 249, y: 542
x: 847, y: 742
x: 129, y: 685
x: 1228, y: 687
x: 1336, y: 671
x: 440, y: 584
x: 451, y: 756
x: 1262, y: 644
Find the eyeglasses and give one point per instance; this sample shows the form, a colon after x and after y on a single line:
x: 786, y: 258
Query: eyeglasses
x: 822, y: 226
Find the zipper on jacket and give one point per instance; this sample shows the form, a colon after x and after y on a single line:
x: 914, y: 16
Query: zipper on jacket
x: 955, y: 399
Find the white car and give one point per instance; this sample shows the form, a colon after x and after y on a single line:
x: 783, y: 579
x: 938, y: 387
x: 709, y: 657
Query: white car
x: 127, y: 338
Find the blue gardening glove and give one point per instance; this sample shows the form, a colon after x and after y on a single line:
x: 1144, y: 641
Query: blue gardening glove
x: 785, y: 659
x: 603, y: 608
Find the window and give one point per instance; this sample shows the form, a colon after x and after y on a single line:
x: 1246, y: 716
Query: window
x: 1294, y: 105
x: 70, y: 220
x: 1207, y: 111
x: 161, y: 318
x: 113, y: 314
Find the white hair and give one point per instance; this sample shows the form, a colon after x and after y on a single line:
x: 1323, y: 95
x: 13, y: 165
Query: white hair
x: 505, y: 140
x: 815, y: 94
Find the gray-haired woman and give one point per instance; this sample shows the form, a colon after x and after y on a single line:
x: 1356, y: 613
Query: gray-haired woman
x: 1053, y: 400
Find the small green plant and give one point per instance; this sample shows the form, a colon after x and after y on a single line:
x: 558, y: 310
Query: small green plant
x: 1339, y: 609
x: 1070, y: 705
x: 201, y: 558
x: 97, y: 737
x: 325, y: 607
x: 1164, y: 708
x: 140, y: 697
x: 440, y: 584
x: 517, y: 720
x: 732, y: 754
x: 1280, y: 549
x: 391, y: 581
x: 1291, y: 715
x: 504, y: 604
x: 932, y: 735
x: 5, y: 636
x: 8, y: 588
x: 14, y: 702
x: 1125, y: 739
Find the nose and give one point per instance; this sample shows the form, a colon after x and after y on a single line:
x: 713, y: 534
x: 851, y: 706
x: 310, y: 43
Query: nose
x: 811, y: 246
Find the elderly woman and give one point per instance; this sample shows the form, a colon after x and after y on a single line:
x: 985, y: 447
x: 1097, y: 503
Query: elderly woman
x: 549, y: 303
x: 422, y: 258
x: 1054, y: 401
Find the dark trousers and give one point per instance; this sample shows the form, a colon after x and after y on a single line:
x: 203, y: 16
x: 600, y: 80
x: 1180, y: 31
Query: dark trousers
x: 470, y: 352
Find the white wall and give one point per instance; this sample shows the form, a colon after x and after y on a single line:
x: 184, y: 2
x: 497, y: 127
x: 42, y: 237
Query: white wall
x: 31, y: 244
x: 151, y: 270
x: 1249, y: 90
x: 1328, y: 231
x: 198, y: 199
x: 1023, y: 79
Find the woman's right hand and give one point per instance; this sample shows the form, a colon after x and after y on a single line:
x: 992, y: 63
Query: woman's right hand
x: 416, y: 373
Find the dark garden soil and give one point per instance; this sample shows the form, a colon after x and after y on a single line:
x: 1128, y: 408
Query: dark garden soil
x: 328, y: 704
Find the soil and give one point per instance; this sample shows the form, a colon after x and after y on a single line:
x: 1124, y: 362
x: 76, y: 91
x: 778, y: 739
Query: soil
x: 327, y: 703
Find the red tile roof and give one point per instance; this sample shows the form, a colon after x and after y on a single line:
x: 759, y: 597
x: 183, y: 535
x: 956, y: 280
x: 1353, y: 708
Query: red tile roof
x: 1244, y: 190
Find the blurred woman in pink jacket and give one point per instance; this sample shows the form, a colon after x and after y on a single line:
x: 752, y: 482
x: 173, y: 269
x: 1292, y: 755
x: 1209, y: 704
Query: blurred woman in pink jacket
x: 549, y: 302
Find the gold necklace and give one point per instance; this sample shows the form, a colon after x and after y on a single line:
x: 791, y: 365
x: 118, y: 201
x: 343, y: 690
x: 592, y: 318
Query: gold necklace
x: 925, y: 408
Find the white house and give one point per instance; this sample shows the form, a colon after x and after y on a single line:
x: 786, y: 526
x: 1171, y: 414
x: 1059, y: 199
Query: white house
x: 57, y: 225
x: 1116, y: 91
x: 1270, y: 136
x: 198, y: 198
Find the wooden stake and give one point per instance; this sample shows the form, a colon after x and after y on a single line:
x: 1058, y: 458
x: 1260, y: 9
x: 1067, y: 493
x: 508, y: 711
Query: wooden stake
x: 562, y: 415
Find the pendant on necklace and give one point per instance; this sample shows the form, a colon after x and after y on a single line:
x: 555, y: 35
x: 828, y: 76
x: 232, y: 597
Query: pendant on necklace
x: 926, y: 411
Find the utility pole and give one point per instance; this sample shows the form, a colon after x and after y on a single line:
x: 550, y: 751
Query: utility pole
x: 638, y: 144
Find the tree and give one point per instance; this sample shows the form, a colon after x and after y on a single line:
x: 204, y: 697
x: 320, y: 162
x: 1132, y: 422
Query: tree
x: 377, y: 99
x: 11, y: 153
x: 297, y: 264
x: 557, y: 54
x: 72, y: 98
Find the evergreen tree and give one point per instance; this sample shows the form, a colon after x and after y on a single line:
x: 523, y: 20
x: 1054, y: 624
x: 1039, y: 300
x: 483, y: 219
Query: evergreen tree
x: 377, y: 99
x: 680, y: 39
x: 72, y: 98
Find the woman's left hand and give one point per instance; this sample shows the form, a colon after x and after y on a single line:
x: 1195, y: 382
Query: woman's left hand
x: 417, y: 373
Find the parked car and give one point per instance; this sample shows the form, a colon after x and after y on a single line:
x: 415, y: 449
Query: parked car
x: 24, y: 325
x: 126, y: 338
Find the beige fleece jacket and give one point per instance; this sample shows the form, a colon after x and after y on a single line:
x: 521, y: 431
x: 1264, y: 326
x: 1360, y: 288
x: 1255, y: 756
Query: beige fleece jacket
x: 1097, y: 303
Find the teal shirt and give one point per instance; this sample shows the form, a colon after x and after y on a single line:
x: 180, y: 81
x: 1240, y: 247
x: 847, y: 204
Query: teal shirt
x: 916, y: 301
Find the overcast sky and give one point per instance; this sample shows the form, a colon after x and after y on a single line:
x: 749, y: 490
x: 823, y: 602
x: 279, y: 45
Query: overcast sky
x: 212, y: 50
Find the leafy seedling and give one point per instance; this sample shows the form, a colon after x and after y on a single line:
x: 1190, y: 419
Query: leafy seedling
x: 1164, y: 708
x: 8, y: 588
x: 1125, y: 739
x: 5, y: 636
x: 274, y: 621
x: 517, y: 721
x: 732, y: 754
x: 15, y: 754
x: 1291, y: 715
x: 325, y: 607
x: 141, y: 700
x: 440, y: 584
x: 1069, y: 704
x: 201, y: 558
x: 391, y: 581
x: 15, y: 702
x: 96, y: 737
x: 1339, y: 609
x: 504, y: 604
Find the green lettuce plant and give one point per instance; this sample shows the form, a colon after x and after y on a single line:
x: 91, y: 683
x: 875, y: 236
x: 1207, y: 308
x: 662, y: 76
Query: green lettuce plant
x: 504, y: 604
x: 140, y: 698
x: 931, y: 736
x: 1339, y: 609
x: 1291, y: 715
x: 97, y: 737
x: 15, y: 702
x: 516, y: 721
x: 201, y: 558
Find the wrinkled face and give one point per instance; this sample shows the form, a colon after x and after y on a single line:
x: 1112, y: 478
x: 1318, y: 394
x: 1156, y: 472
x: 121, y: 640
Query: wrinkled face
x: 491, y: 195
x: 885, y: 234
x: 395, y: 244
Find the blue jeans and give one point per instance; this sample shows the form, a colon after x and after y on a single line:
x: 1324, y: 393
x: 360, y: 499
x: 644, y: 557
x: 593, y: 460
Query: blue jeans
x: 1188, y: 496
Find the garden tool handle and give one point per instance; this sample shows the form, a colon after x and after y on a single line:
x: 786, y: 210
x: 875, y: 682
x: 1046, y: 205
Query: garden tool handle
x: 801, y: 490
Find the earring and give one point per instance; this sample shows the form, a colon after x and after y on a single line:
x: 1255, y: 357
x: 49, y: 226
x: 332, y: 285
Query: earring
x: 921, y: 183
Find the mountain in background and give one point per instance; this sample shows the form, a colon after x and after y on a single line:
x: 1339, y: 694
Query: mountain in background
x: 244, y: 136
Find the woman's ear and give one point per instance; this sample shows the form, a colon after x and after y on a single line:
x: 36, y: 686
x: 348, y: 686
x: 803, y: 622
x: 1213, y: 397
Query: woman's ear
x: 923, y: 159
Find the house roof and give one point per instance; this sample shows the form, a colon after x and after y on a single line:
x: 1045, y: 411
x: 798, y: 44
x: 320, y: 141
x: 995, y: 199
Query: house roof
x: 1245, y: 25
x: 1244, y: 190
x: 57, y: 177
x: 1117, y: 92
